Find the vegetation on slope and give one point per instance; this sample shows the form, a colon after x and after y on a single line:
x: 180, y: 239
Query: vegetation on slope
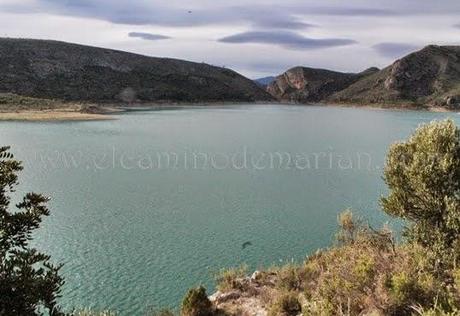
x: 71, y: 72
x: 429, y: 77
x: 12, y: 102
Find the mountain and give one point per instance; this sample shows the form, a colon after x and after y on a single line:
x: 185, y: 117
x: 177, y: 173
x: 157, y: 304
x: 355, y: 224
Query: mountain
x: 304, y: 85
x: 426, y: 78
x: 71, y: 72
x: 265, y: 81
x: 429, y: 77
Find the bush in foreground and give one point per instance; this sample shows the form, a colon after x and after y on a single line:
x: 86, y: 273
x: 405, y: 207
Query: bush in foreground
x: 29, y: 283
x: 196, y: 303
x: 423, y: 175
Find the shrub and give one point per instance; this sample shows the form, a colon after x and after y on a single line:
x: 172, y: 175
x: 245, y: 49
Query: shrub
x: 290, y: 277
x: 348, y: 274
x: 196, y: 303
x: 406, y: 289
x: 414, y: 282
x: 287, y: 304
x: 456, y: 277
x: 347, y: 227
x: 372, y: 275
x: 423, y: 175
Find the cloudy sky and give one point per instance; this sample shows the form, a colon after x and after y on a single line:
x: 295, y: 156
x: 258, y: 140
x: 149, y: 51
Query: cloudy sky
x: 256, y: 38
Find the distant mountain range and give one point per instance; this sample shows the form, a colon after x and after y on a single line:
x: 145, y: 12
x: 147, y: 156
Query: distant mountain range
x: 70, y: 72
x: 52, y: 70
x: 265, y: 81
x: 429, y: 77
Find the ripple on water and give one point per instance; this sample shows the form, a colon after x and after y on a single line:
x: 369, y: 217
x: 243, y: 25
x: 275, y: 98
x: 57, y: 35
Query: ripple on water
x: 132, y: 238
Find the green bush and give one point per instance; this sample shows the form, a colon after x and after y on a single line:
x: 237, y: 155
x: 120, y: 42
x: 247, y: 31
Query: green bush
x: 290, y: 277
x: 407, y: 289
x: 423, y: 175
x: 347, y: 227
x: 196, y: 303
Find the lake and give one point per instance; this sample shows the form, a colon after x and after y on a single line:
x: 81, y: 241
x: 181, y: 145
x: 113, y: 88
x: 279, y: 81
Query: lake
x: 148, y: 205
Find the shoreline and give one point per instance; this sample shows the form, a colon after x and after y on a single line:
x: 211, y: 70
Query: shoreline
x: 101, y: 112
x: 54, y: 115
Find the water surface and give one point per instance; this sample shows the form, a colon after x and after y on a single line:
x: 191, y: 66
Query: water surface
x: 134, y: 231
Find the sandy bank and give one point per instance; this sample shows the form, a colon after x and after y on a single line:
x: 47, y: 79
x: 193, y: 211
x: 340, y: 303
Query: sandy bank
x: 52, y: 115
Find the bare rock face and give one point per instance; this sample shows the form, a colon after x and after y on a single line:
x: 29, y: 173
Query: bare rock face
x: 414, y: 75
x: 64, y: 71
x: 304, y: 85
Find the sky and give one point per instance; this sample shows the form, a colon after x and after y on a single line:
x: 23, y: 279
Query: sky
x: 256, y: 38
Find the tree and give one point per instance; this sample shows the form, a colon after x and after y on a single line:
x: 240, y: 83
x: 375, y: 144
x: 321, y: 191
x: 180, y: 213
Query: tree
x: 423, y: 175
x: 29, y: 283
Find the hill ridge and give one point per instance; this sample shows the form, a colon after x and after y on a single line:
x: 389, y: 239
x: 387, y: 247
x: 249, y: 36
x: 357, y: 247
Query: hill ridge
x: 73, y: 72
x: 429, y: 77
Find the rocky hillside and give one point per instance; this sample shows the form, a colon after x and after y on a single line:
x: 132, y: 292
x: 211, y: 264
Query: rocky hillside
x: 429, y: 77
x: 70, y: 72
x: 304, y: 85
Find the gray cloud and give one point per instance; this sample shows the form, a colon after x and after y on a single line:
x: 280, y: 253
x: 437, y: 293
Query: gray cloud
x: 362, y: 20
x: 286, y: 39
x: 287, y: 24
x: 148, y: 36
x: 267, y: 14
x: 394, y: 50
x: 457, y: 25
x: 352, y: 11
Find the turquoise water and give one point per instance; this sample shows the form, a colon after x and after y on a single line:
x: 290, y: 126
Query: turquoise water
x: 135, y: 231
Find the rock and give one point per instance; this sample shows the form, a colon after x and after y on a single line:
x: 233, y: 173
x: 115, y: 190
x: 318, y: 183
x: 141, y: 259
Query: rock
x: 214, y: 296
x: 225, y: 297
x: 256, y: 275
x: 250, y: 297
x: 452, y: 101
x: 304, y: 85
